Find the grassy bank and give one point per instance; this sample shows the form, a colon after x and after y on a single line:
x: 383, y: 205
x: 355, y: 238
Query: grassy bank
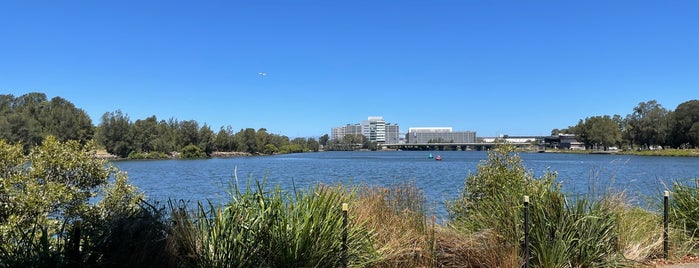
x: 665, y: 152
x: 388, y: 226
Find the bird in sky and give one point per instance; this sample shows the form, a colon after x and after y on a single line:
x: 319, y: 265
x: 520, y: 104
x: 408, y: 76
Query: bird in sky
x: 262, y: 74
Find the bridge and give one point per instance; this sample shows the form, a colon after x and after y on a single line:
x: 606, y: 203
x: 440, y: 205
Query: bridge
x: 454, y: 146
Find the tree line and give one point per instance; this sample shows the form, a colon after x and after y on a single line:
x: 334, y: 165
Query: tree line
x: 649, y: 126
x: 29, y: 118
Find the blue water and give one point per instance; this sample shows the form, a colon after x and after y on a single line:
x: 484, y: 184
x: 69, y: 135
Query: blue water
x: 640, y: 177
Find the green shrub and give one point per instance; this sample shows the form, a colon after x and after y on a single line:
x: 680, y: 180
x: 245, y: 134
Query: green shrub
x: 192, y: 151
x: 148, y: 155
x: 48, y: 193
x: 581, y: 233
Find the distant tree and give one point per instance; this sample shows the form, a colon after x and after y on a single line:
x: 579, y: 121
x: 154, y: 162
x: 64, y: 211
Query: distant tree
x: 189, y: 131
x: 598, y: 131
x: 312, y: 145
x: 167, y: 139
x: 192, y: 151
x: 60, y: 118
x: 270, y: 149
x: 685, y: 125
x: 206, y: 139
x: 247, y: 141
x: 114, y: 133
x: 278, y: 141
x: 224, y: 140
x: 31, y: 117
x: 261, y: 138
x: 323, y: 140
x: 145, y: 133
x: 648, y: 124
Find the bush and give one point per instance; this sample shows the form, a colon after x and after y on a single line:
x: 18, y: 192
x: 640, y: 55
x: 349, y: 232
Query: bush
x: 563, y: 233
x: 45, y: 195
x: 192, y: 151
x: 148, y: 155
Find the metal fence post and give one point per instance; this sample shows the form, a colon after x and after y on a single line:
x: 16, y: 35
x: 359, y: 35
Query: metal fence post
x: 527, y: 253
x: 665, y: 223
x: 343, y: 257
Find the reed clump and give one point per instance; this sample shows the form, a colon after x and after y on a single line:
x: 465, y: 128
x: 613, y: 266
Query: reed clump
x: 684, y: 216
x: 270, y: 228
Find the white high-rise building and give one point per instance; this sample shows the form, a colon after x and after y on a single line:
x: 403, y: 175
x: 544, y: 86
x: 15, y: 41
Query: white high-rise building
x: 375, y: 129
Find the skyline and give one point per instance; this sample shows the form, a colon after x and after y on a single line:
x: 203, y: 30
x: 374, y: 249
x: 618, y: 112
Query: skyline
x: 301, y: 68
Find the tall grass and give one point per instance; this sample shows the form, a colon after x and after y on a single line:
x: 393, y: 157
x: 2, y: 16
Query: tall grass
x: 403, y: 234
x: 260, y: 228
x: 684, y: 215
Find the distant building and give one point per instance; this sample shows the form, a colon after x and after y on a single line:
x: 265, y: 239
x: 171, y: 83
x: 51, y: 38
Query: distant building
x: 392, y: 134
x: 374, y: 128
x: 564, y: 141
x: 439, y: 135
x: 337, y: 133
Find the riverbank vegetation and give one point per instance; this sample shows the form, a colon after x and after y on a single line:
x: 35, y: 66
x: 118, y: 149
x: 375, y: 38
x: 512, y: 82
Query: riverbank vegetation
x: 29, y: 118
x: 62, y: 206
x: 649, y: 127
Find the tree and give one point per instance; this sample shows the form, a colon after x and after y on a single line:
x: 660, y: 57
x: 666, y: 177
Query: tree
x: 685, y: 124
x: 323, y: 140
x: 312, y: 145
x: 66, y: 122
x: 31, y: 117
x: 145, y: 133
x: 189, y: 131
x: 261, y: 138
x: 247, y: 141
x: 206, y: 139
x: 598, y: 131
x: 114, y: 133
x: 648, y: 124
x: 224, y: 140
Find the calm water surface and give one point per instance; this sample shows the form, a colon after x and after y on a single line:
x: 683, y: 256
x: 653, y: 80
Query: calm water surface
x: 639, y: 176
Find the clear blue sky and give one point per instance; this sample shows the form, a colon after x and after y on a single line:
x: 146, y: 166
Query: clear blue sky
x: 494, y: 67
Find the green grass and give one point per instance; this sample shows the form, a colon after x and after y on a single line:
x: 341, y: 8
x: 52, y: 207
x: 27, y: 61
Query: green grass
x: 665, y: 152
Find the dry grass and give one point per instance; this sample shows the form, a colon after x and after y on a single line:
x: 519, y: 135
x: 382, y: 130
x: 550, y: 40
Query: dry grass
x: 402, y: 234
x: 483, y: 249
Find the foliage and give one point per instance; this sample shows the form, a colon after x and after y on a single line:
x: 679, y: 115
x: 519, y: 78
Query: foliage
x: 261, y: 228
x: 685, y: 124
x: 581, y: 233
x: 45, y: 194
x: 351, y: 142
x: 684, y: 210
x: 150, y: 138
x: 648, y: 124
x: 192, y: 151
x: 598, y: 131
x: 149, y: 155
x: 114, y: 134
x: 30, y: 117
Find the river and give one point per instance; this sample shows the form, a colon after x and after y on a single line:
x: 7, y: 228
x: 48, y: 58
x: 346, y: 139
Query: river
x: 640, y: 177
